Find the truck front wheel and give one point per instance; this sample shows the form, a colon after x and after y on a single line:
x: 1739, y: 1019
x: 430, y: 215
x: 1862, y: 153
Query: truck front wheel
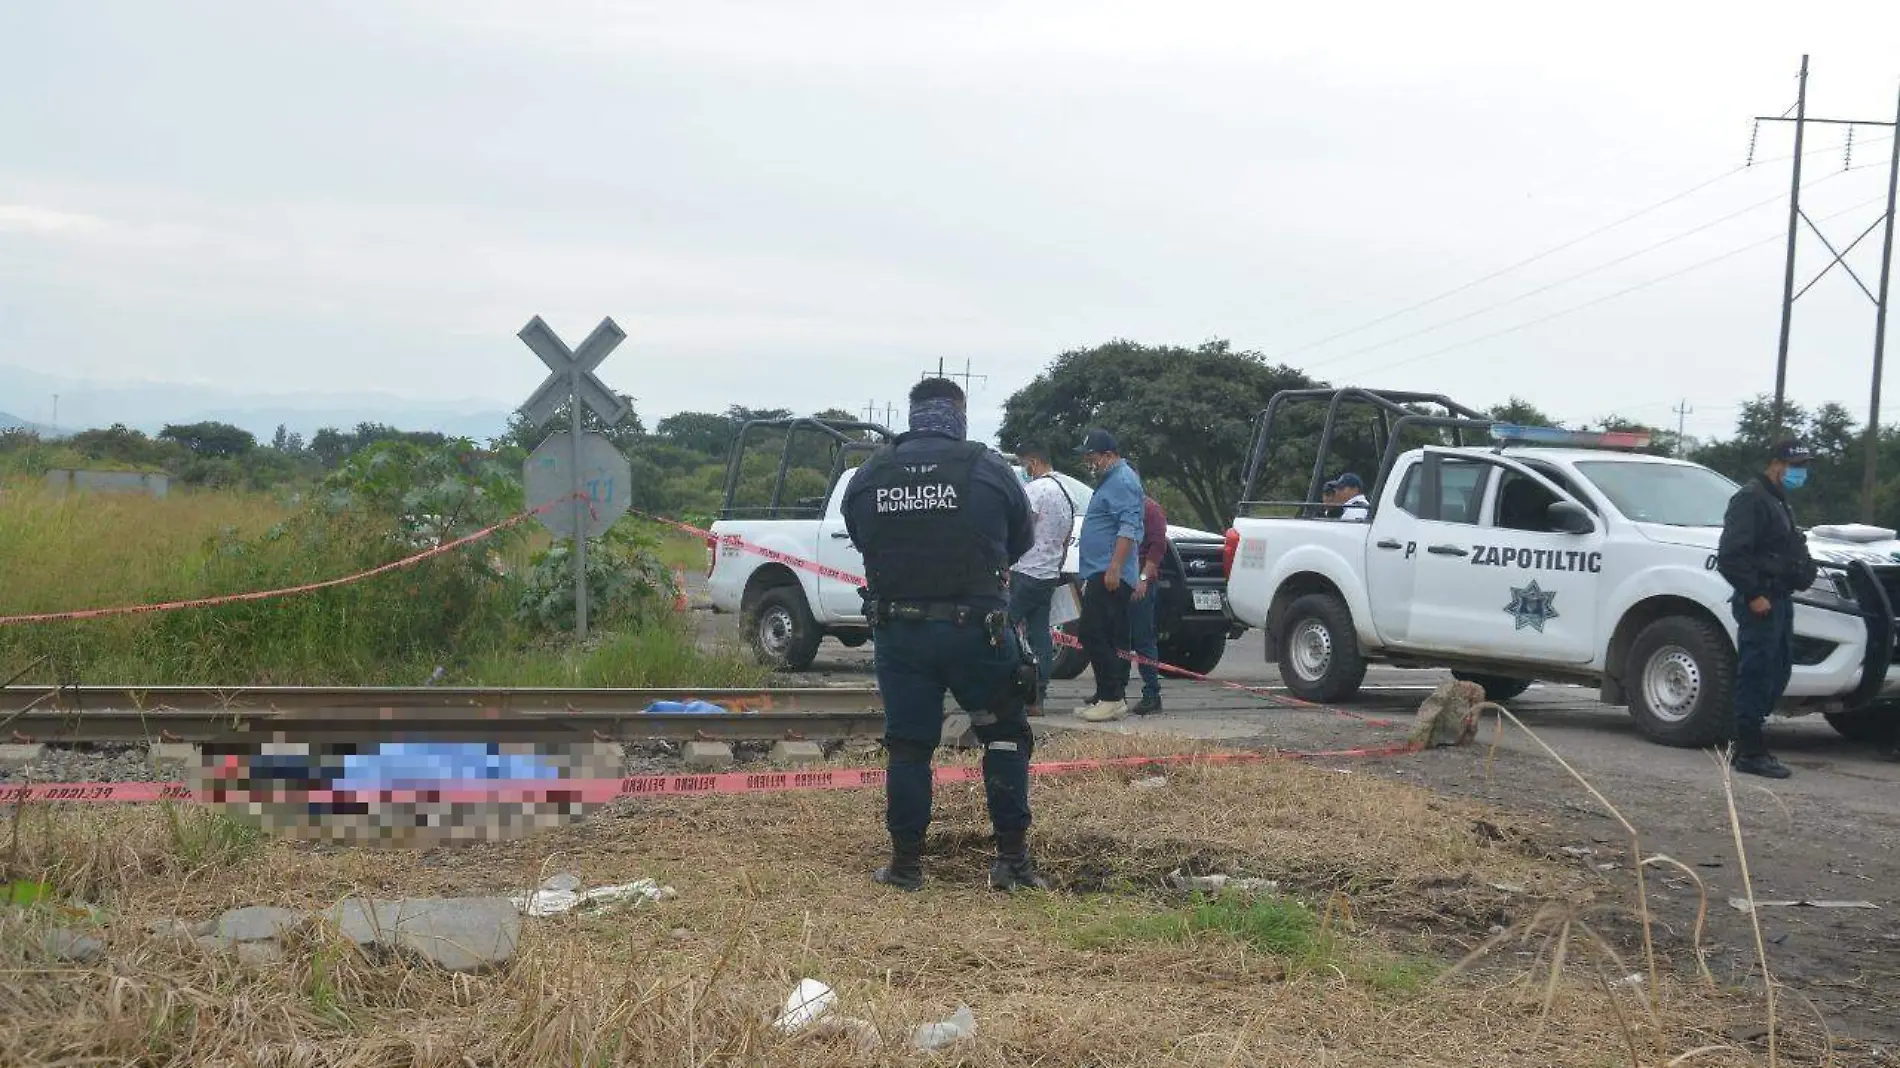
x: 781, y: 630
x: 1319, y: 650
x: 1070, y: 662
x: 1681, y: 682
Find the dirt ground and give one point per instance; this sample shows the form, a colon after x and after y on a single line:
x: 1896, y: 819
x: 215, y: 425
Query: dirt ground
x: 1380, y: 886
x: 1831, y: 833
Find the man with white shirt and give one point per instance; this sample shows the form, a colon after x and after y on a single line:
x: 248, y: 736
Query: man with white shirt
x: 1034, y: 579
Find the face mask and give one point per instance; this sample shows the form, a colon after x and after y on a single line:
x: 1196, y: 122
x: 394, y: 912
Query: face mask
x: 1794, y: 478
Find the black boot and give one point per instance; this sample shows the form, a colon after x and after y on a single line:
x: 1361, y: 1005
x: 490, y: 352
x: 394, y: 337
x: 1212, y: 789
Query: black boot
x: 1012, y: 869
x: 906, y: 869
x: 1751, y: 754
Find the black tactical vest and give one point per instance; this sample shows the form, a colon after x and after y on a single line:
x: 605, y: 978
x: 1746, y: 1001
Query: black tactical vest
x: 919, y: 540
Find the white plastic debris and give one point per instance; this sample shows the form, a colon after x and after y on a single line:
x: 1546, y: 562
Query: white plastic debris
x: 559, y: 896
x: 808, y: 1002
x: 1221, y: 883
x: 1626, y: 981
x: 1154, y: 782
x: 1579, y: 851
x: 960, y: 1025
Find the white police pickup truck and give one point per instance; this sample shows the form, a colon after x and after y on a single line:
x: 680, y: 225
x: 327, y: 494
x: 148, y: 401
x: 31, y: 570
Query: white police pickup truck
x: 1551, y: 555
x: 787, y: 611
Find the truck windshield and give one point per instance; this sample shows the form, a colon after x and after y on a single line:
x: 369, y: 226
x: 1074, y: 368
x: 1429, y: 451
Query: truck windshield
x: 1673, y: 495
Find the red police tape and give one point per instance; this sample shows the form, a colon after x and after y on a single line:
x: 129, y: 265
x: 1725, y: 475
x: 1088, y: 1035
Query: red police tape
x: 309, y: 587
x: 739, y: 544
x: 600, y: 791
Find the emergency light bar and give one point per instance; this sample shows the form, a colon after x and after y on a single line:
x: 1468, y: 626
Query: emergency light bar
x: 1511, y: 433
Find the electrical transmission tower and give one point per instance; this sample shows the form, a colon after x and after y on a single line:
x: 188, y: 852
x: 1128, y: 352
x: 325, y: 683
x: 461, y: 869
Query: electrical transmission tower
x: 1788, y: 295
x: 964, y: 374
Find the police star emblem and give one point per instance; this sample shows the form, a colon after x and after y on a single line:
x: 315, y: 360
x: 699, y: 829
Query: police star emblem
x: 1531, y: 606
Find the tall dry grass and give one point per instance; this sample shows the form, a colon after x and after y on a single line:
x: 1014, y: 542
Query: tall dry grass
x: 60, y: 553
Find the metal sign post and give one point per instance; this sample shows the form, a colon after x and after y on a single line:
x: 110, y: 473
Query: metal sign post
x: 571, y: 379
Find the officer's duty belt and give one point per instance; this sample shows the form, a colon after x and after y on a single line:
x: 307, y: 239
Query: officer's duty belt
x: 940, y: 611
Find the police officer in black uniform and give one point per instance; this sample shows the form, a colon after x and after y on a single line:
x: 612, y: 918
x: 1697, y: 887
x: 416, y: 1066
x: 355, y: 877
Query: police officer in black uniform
x: 1764, y: 556
x: 939, y: 520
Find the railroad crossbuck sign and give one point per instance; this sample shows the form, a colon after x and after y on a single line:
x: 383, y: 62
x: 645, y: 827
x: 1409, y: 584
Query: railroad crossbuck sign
x: 584, y: 467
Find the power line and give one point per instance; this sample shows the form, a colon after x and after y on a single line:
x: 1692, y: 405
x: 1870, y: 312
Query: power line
x: 1587, y: 272
x: 1607, y: 297
x: 1547, y: 253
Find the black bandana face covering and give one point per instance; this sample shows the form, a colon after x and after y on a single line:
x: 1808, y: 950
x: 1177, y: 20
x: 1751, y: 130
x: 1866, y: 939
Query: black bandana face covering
x: 939, y: 414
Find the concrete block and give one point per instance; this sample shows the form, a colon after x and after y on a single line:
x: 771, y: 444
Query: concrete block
x: 708, y: 756
x: 18, y: 756
x: 174, y: 753
x: 797, y: 753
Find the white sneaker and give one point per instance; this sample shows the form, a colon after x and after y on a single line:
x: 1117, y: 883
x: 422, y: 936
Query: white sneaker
x: 1086, y: 705
x: 1105, y: 711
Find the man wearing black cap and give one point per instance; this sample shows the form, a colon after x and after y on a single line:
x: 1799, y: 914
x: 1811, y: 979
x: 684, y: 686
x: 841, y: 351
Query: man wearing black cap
x: 1348, y: 494
x: 939, y: 520
x: 1764, y: 556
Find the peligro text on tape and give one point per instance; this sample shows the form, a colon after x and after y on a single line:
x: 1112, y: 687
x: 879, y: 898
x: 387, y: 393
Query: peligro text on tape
x: 599, y: 791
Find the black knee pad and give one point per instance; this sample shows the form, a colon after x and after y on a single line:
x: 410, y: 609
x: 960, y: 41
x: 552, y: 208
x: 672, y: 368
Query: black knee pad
x: 906, y: 751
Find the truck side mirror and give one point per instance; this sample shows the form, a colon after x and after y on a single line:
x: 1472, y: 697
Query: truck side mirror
x: 1568, y: 518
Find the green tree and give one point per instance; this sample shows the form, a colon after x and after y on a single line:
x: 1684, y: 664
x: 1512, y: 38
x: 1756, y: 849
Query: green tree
x: 1185, y: 415
x: 625, y: 434
x: 211, y: 439
x: 706, y: 433
x: 1520, y: 412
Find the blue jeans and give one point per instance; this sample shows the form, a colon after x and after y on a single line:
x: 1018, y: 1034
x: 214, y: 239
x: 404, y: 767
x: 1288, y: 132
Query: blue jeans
x: 1141, y: 639
x: 1764, y: 664
x: 917, y: 662
x: 1029, y: 605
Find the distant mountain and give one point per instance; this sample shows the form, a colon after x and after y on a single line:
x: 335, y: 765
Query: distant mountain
x: 148, y: 406
x: 9, y: 421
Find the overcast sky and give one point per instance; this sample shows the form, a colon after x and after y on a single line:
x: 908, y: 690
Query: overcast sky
x: 803, y: 204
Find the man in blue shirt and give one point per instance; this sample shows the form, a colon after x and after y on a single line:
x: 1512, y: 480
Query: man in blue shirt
x: 1111, y: 531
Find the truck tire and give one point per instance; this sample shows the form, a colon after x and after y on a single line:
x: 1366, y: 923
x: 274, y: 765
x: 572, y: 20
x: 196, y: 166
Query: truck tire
x: 1070, y: 662
x: 1497, y: 688
x: 1681, y: 682
x: 1319, y: 650
x: 1200, y: 655
x: 1877, y: 724
x: 781, y: 629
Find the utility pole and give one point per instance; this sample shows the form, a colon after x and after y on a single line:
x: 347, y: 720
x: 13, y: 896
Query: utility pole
x: 1868, y: 478
x: 1796, y: 217
x: 1682, y: 411
x: 1787, y: 278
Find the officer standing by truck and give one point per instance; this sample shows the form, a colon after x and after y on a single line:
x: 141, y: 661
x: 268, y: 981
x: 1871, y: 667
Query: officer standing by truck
x: 1764, y: 556
x: 939, y: 520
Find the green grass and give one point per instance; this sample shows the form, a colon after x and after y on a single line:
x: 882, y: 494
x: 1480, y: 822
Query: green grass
x: 61, y: 553
x: 682, y: 551
x: 1276, y: 925
x: 661, y: 655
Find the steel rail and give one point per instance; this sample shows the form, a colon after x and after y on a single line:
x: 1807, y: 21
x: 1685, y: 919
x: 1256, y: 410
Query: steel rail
x: 197, y: 714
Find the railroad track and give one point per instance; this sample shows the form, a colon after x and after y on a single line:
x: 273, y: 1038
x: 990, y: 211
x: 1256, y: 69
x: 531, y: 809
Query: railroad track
x: 38, y: 714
